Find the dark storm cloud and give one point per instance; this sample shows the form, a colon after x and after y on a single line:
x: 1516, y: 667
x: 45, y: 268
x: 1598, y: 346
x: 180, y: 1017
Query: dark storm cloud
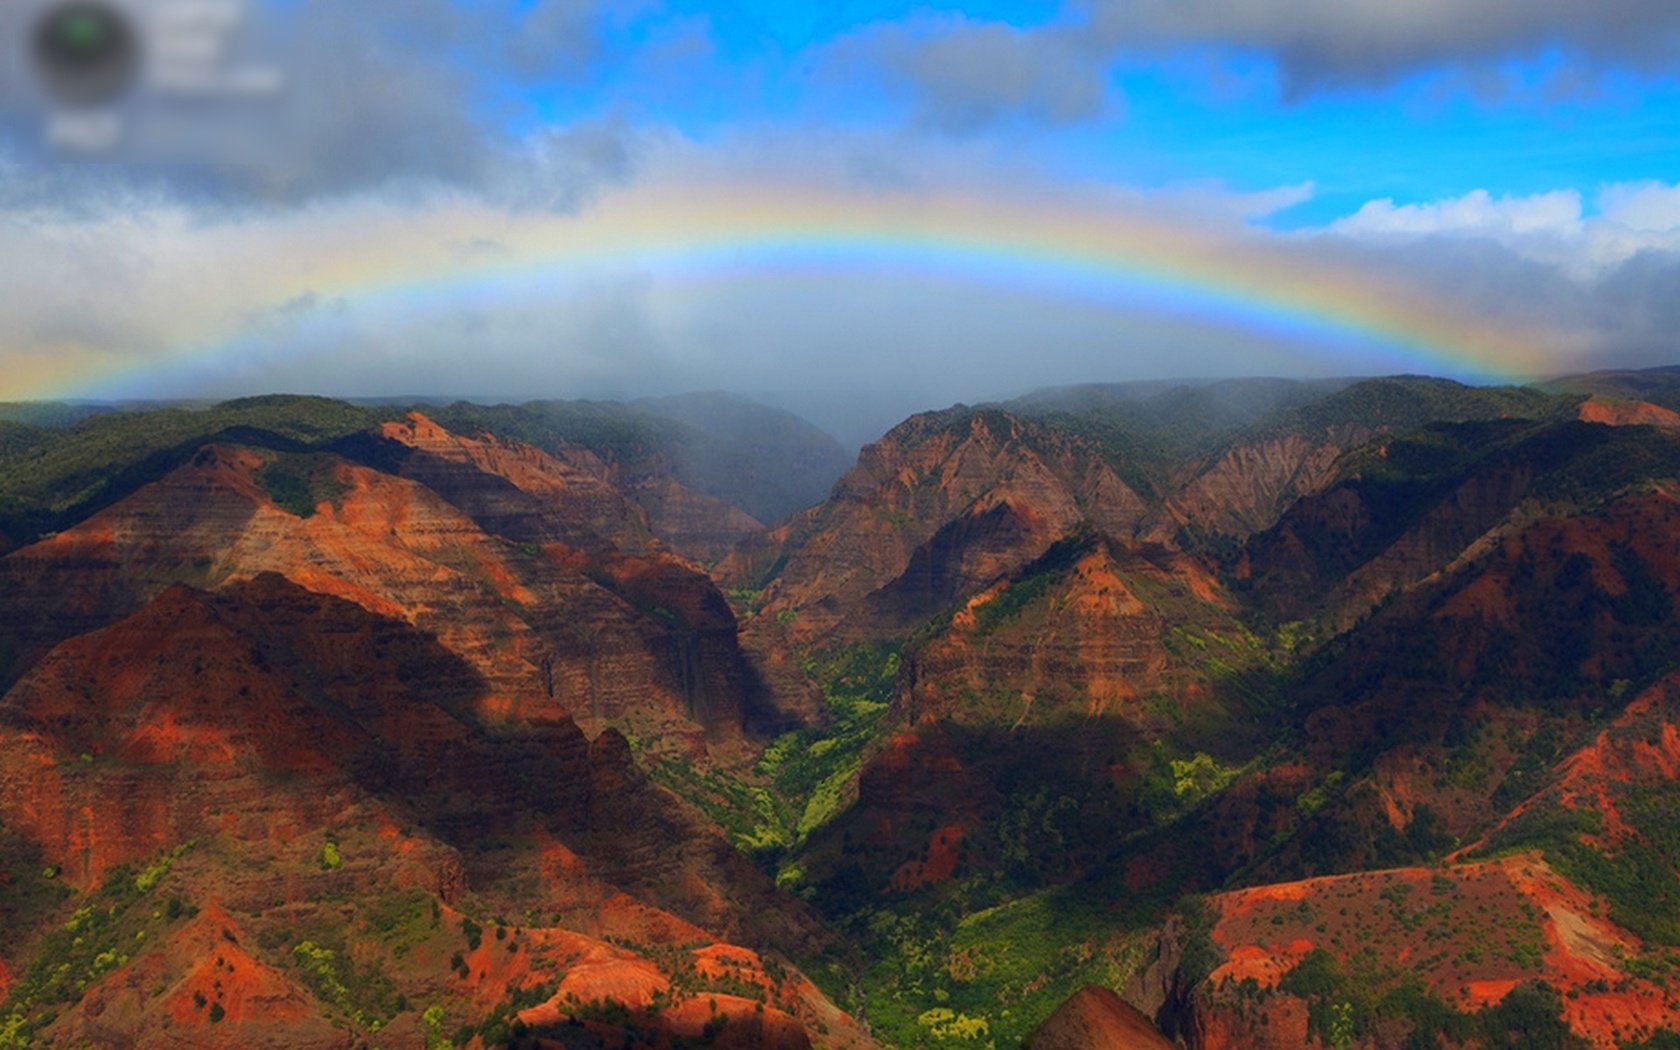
x: 976, y: 75
x: 1364, y: 43
x: 1639, y: 304
x: 556, y: 39
x: 1623, y: 312
x: 962, y: 76
x: 374, y: 95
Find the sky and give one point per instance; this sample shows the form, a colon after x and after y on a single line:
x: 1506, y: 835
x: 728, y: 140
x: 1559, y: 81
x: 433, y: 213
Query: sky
x: 864, y: 202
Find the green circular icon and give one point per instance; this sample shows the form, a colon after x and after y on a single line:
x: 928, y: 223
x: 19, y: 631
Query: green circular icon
x: 86, y: 52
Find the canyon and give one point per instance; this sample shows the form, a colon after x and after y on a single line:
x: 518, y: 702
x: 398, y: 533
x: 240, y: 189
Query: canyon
x: 1242, y: 714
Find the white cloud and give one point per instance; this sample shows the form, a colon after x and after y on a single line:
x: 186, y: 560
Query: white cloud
x: 1648, y: 207
x: 1216, y: 198
x: 1553, y: 228
x: 1477, y: 212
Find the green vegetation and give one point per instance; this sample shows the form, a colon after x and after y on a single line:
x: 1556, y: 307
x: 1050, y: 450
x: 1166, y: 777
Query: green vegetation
x: 1199, y: 777
x: 1202, y: 954
x: 96, y: 939
x: 754, y: 819
x: 1013, y: 930
x: 352, y: 958
x: 1637, y: 874
x: 16, y: 439
x: 72, y: 472
x: 402, y: 919
x: 362, y: 991
x: 1150, y: 431
x: 298, y: 485
x: 501, y: 1026
x: 936, y: 973
x: 48, y: 415
x: 803, y: 778
x: 473, y: 932
x: 944, y: 1024
x: 1346, y: 1003
x: 814, y: 770
x: 1033, y: 583
x: 431, y: 1022
x: 1408, y: 402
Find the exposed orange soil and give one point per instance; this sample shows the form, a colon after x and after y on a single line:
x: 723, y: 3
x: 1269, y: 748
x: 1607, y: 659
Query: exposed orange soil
x: 1478, y: 994
x: 1095, y: 1017
x: 204, y: 964
x: 1642, y: 744
x: 1519, y: 909
x: 939, y: 863
x: 1266, y: 964
x: 749, y: 1024
x: 1614, y: 413
x: 594, y: 971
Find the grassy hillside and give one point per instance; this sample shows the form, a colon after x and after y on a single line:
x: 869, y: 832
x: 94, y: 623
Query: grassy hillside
x: 67, y: 463
x: 61, y: 476
x: 1660, y: 386
x: 1153, y: 432
x: 1408, y: 402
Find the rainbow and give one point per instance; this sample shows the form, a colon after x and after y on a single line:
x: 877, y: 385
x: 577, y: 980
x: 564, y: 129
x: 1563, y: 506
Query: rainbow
x: 1137, y: 262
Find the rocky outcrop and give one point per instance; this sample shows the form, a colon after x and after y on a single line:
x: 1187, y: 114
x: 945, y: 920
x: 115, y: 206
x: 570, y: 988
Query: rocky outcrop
x: 518, y: 491
x: 986, y: 542
x: 1249, y: 485
x: 1089, y: 647
x: 1079, y: 634
x: 129, y: 740
x: 693, y: 524
x: 568, y: 493
x: 1268, y: 464
x: 1339, y: 553
x: 531, y: 619
x: 1557, y: 609
x: 917, y: 487
x: 1095, y: 1018
x: 201, y: 964
x: 1611, y: 782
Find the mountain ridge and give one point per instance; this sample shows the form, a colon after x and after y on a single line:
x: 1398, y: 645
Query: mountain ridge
x: 496, y: 726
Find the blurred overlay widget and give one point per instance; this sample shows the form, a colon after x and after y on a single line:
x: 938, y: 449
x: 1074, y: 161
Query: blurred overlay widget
x: 164, y: 81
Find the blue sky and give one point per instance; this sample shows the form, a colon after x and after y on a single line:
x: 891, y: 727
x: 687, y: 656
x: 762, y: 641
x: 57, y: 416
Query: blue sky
x: 1511, y: 164
x: 1192, y: 113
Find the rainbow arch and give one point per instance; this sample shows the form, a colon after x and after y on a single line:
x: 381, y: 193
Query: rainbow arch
x: 1146, y: 261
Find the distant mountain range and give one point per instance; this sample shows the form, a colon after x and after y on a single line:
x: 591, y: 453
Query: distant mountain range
x: 1240, y: 714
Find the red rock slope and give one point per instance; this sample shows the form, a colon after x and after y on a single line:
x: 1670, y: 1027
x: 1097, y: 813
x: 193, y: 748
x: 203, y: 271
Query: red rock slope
x: 534, y: 620
x: 1463, y: 936
x: 1096, y: 1019
x: 940, y: 506
x: 323, y: 786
